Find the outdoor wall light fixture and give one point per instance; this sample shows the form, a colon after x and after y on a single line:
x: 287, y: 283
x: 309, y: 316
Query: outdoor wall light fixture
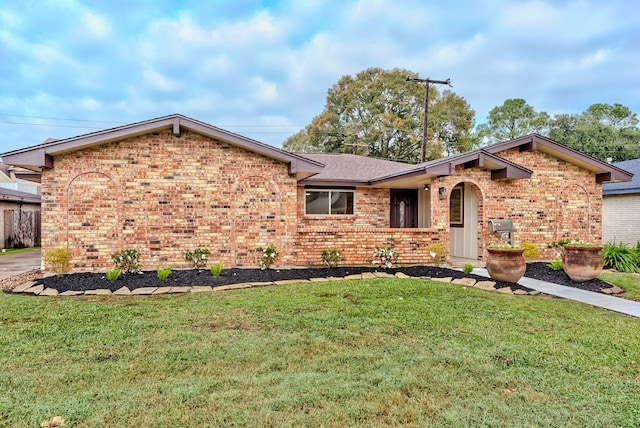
x: 442, y: 192
x: 426, y: 187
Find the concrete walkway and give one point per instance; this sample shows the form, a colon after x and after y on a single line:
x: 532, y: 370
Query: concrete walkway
x: 616, y: 304
x: 17, y: 263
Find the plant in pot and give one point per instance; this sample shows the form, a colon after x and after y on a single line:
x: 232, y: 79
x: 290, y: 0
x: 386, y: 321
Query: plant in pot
x: 506, y: 262
x: 581, y: 261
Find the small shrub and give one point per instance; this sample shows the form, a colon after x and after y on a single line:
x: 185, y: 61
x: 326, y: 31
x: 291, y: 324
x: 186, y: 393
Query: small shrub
x: 58, y: 259
x: 198, y: 257
x: 387, y: 255
x: 330, y: 257
x: 216, y: 269
x: 128, y: 261
x: 113, y: 274
x: 468, y: 268
x: 555, y: 265
x: 267, y: 256
x: 621, y: 257
x: 164, y: 273
x: 531, y: 250
x: 437, y: 252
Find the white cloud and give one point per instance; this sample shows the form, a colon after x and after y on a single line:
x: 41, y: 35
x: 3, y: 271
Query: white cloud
x: 160, y: 82
x: 94, y: 25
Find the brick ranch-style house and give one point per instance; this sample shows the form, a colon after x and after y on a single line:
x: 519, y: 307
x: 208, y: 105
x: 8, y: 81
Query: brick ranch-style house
x: 172, y: 184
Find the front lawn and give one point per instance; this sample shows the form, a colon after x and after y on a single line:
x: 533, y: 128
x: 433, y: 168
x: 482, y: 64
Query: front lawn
x: 385, y: 352
x: 6, y: 251
x: 629, y: 281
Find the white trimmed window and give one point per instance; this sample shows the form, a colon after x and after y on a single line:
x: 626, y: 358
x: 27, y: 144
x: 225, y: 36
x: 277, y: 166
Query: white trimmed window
x: 329, y: 202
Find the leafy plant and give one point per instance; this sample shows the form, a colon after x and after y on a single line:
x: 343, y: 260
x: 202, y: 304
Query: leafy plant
x: 505, y: 247
x: 621, y: 257
x: 128, y: 261
x: 267, y: 256
x: 555, y: 265
x: 468, y: 268
x: 531, y: 250
x: 216, y: 269
x: 113, y: 274
x: 330, y: 257
x: 58, y: 259
x: 437, y: 252
x: 388, y: 256
x: 164, y: 273
x: 198, y: 257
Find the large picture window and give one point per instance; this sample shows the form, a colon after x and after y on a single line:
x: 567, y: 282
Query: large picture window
x: 329, y: 202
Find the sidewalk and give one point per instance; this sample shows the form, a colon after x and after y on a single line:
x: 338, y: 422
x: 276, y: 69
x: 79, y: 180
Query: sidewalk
x: 616, y: 304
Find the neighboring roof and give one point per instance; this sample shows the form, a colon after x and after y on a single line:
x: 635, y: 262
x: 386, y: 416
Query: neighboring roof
x: 7, y: 195
x: 633, y: 186
x: 348, y: 169
x: 36, y: 157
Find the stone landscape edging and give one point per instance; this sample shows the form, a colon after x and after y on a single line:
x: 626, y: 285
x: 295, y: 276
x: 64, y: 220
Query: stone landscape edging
x: 35, y: 289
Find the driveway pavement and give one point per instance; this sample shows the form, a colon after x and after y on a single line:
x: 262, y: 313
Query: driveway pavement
x: 17, y: 263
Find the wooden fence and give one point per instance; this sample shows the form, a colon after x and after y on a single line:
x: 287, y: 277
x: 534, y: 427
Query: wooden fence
x: 21, y: 228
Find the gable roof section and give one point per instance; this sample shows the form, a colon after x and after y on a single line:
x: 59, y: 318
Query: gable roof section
x: 629, y: 187
x: 604, y: 172
x: 41, y: 156
x: 500, y: 168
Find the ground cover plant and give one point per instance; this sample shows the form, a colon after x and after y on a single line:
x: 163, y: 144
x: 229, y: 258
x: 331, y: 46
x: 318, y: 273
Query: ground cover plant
x: 384, y: 352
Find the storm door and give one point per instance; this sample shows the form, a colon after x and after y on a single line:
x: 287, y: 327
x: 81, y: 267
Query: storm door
x: 404, y: 208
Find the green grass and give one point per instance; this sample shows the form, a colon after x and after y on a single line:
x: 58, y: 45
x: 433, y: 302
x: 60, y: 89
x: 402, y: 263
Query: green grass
x: 6, y: 251
x: 385, y: 352
x: 630, y: 282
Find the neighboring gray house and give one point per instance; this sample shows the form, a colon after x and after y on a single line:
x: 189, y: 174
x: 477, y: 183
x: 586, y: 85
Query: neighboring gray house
x: 19, y: 219
x: 621, y: 207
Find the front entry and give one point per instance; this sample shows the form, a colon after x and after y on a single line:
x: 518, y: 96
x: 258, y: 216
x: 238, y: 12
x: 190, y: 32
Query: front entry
x: 463, y: 221
x: 404, y: 208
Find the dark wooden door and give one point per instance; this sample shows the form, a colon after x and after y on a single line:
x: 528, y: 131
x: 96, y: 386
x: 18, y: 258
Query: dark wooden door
x: 404, y: 208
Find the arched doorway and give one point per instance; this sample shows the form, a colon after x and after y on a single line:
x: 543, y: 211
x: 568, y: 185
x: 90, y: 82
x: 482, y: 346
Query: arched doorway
x: 464, y: 207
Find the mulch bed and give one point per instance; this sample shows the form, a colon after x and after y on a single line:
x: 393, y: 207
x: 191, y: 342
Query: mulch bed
x: 192, y: 277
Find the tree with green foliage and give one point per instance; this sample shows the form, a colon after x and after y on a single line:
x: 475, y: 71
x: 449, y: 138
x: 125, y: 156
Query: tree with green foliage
x: 514, y: 118
x: 603, y: 131
x: 378, y: 113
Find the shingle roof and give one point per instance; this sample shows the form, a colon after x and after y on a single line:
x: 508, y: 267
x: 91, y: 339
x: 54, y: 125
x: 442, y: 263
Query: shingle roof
x: 633, y: 186
x: 17, y: 196
x: 352, y: 169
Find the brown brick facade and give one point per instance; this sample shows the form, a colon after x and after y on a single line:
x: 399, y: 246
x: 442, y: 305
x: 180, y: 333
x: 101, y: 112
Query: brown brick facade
x: 163, y: 194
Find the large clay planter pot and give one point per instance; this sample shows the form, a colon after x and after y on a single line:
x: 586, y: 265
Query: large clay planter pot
x: 506, y: 264
x: 581, y: 262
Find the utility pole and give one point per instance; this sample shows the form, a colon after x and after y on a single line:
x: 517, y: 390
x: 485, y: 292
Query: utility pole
x: 427, y: 83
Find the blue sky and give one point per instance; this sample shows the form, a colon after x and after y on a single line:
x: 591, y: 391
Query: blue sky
x: 263, y: 68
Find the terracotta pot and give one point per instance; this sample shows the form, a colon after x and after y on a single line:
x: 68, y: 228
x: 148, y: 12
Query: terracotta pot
x: 506, y: 264
x: 582, y: 263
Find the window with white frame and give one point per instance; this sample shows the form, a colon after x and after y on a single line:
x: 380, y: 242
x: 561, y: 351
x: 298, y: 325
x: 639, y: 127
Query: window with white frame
x: 329, y: 202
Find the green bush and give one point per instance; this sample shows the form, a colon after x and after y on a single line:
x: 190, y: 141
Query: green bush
x: 330, y: 257
x: 621, y: 257
x: 198, y: 257
x: 113, y: 274
x: 216, y: 269
x: 555, y: 265
x: 164, y: 273
x: 267, y: 256
x: 468, y: 268
x: 58, y: 259
x: 128, y: 261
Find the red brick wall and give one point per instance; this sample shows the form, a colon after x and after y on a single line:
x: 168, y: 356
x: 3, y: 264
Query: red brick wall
x: 161, y: 195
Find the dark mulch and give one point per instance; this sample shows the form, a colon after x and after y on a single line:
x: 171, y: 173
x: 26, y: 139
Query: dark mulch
x: 191, y: 277
x: 541, y: 271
